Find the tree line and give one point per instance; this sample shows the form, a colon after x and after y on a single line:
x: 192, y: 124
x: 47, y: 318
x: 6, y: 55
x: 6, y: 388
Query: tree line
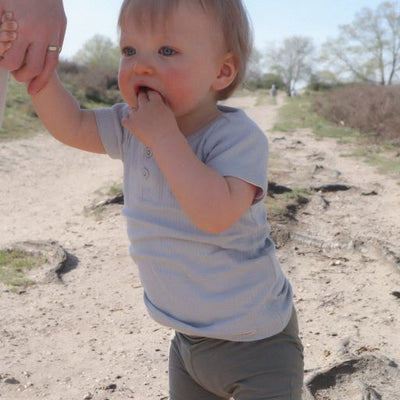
x: 366, y: 50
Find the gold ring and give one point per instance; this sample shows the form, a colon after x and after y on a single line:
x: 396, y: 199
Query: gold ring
x: 54, y: 48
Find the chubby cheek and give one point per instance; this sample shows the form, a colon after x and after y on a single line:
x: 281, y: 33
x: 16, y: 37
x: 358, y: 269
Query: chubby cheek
x: 179, y: 90
x: 125, y: 88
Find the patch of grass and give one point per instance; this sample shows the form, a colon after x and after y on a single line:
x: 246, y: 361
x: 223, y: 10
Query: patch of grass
x: 297, y: 113
x: 391, y: 166
x: 106, y: 195
x: 20, y: 119
x: 286, y: 204
x: 242, y: 92
x: 262, y: 97
x: 379, y: 156
x: 14, y: 266
x: 115, y: 189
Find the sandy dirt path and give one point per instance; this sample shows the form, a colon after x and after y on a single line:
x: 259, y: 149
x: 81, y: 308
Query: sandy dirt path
x: 88, y: 337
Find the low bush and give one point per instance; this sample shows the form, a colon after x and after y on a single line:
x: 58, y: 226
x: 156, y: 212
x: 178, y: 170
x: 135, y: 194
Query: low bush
x: 371, y: 109
x: 90, y: 85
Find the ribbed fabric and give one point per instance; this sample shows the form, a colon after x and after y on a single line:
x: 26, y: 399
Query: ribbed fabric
x: 227, y: 286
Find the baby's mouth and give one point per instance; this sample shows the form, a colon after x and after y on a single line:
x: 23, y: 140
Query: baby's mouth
x: 146, y: 89
x: 142, y: 89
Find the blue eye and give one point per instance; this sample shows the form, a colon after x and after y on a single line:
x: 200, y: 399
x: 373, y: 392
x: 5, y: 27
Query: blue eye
x: 167, y: 51
x: 128, y: 51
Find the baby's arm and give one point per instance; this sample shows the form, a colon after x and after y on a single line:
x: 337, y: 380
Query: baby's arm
x: 61, y: 114
x: 213, y: 202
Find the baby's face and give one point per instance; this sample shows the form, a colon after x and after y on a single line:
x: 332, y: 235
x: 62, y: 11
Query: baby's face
x: 179, y: 57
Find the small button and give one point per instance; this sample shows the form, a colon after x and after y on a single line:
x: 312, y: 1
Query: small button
x: 148, y: 153
x: 146, y: 173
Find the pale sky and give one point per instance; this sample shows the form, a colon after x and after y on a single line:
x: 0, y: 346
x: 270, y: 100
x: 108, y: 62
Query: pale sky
x: 273, y: 20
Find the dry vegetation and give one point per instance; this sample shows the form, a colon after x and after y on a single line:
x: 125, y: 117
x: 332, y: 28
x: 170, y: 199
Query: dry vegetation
x: 91, y: 86
x: 371, y: 109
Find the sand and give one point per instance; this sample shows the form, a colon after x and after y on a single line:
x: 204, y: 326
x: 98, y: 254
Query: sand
x: 87, y: 334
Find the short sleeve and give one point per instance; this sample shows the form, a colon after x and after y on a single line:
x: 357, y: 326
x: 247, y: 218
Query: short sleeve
x: 112, y: 133
x: 237, y: 147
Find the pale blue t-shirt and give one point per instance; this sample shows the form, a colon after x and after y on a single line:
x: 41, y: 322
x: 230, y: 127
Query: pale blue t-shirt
x: 228, y: 285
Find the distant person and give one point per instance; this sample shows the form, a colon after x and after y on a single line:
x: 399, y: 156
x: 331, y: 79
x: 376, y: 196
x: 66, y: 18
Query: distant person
x: 274, y: 91
x: 293, y: 93
x: 195, y: 176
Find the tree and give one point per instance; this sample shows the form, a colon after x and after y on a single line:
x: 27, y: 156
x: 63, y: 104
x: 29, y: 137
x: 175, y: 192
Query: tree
x: 254, y: 70
x: 292, y: 60
x: 92, y: 76
x: 98, y: 52
x: 368, y: 49
x: 323, y: 80
x: 255, y: 77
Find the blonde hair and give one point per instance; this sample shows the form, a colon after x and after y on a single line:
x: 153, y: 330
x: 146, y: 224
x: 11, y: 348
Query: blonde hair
x: 230, y: 14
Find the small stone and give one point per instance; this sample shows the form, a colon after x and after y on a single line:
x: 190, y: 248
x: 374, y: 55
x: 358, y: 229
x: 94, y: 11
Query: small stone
x: 327, y: 353
x: 11, y: 381
x: 396, y: 294
x: 112, y: 387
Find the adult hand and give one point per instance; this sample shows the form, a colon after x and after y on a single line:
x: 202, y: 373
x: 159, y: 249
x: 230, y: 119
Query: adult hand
x: 8, y: 32
x: 41, y: 23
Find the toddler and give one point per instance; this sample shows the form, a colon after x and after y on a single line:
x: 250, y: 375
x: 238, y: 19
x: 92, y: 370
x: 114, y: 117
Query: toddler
x: 194, y: 184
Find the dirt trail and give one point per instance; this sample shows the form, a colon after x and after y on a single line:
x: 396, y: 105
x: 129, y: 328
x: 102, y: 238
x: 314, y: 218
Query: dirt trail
x: 343, y: 258
x: 88, y: 337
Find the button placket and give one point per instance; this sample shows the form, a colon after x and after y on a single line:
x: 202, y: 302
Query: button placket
x: 148, y: 152
x: 147, y: 156
x: 146, y: 173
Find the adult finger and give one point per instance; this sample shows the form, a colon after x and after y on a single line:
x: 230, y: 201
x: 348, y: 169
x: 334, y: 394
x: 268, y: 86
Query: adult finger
x: 38, y: 26
x: 9, y: 25
x: 41, y: 80
x: 61, y: 35
x: 4, y: 46
x: 44, y: 70
x: 14, y: 58
x: 7, y: 36
x: 34, y: 61
x: 8, y: 33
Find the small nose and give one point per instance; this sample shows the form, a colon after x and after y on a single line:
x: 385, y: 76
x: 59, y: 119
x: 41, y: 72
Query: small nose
x: 143, y: 67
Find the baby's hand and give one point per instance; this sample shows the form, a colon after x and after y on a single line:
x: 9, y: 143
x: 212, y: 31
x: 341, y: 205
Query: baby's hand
x: 8, y: 32
x: 151, y: 120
